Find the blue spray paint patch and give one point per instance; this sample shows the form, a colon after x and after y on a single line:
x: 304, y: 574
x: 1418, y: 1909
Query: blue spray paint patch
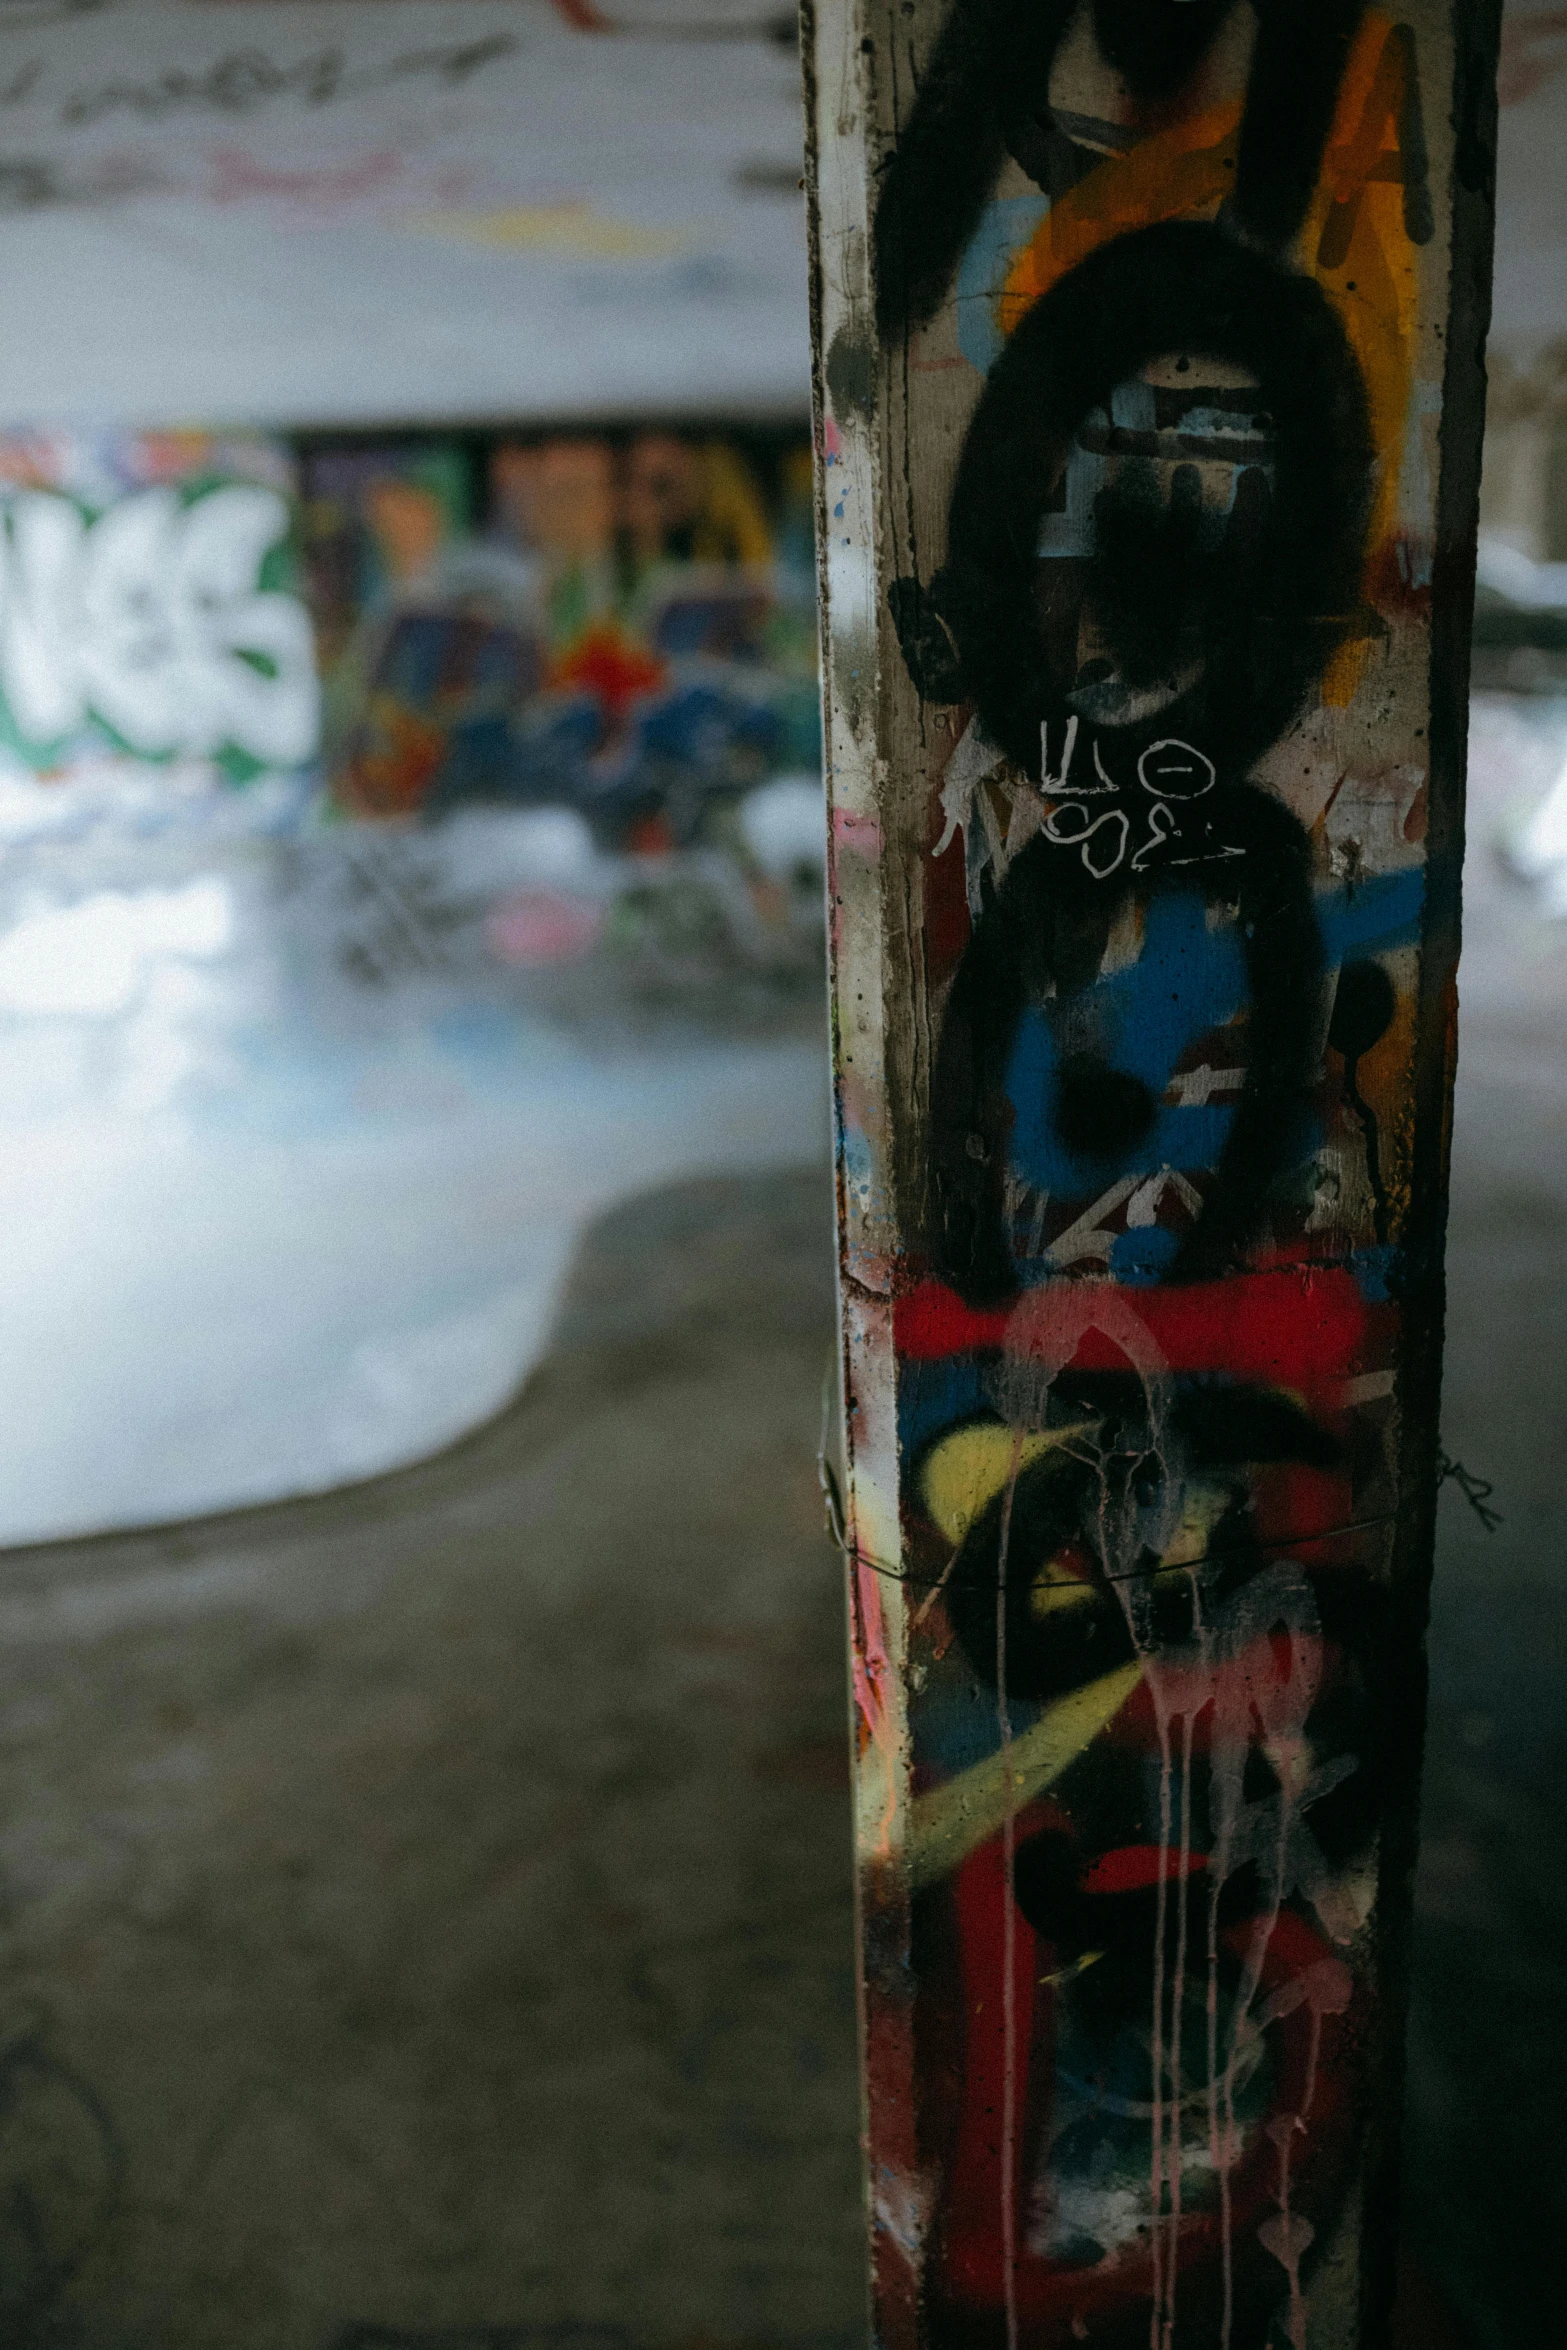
x: 1373, y: 1269
x: 1005, y: 227
x: 951, y: 1734
x: 933, y: 1397
x: 1139, y: 1258
x: 1187, y: 980
x: 855, y: 1154
x: 1372, y: 918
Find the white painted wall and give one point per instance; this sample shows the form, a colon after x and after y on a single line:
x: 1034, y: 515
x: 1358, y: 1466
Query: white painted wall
x: 316, y: 211
x: 281, y: 211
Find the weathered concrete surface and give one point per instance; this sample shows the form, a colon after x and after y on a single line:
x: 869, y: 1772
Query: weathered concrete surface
x: 439, y: 1894
x: 444, y: 1887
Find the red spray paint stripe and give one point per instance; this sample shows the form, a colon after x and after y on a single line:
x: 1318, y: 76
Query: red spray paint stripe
x: 1283, y: 1329
x: 1130, y: 1868
x: 972, y: 2247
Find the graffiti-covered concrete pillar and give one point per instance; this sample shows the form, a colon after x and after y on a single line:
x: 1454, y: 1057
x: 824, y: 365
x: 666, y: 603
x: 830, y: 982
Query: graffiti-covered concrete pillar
x: 1149, y: 359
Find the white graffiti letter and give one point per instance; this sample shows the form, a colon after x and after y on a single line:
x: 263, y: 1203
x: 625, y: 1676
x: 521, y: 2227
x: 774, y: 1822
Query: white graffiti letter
x: 247, y: 656
x: 126, y: 647
x: 40, y: 617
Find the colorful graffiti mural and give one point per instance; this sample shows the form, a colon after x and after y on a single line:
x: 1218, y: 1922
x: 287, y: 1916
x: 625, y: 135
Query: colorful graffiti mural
x: 597, y: 650
x: 1148, y: 501
x: 623, y: 623
x: 150, y: 612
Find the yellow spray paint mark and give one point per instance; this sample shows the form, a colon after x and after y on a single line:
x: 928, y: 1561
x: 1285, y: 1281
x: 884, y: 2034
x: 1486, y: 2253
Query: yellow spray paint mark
x: 1073, y: 1968
x: 1353, y: 242
x: 574, y: 229
x: 952, y: 1821
x: 968, y: 1469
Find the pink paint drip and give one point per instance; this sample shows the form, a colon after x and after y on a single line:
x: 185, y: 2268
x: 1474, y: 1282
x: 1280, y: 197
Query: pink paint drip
x: 1281, y: 1707
x: 1327, y: 1989
x: 1218, y: 2145
x: 872, y: 1671
x: 1289, y: 2235
x: 1177, y: 2007
x: 1008, y: 1922
x: 1163, y: 2287
x: 1256, y: 1959
x: 858, y: 833
x: 237, y: 176
x: 872, y: 1667
x: 1178, y: 1694
x: 1237, y: 1674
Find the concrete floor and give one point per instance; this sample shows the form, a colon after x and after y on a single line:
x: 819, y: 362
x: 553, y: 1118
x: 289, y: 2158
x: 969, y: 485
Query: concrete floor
x: 427, y: 1909
x: 1487, y: 2186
